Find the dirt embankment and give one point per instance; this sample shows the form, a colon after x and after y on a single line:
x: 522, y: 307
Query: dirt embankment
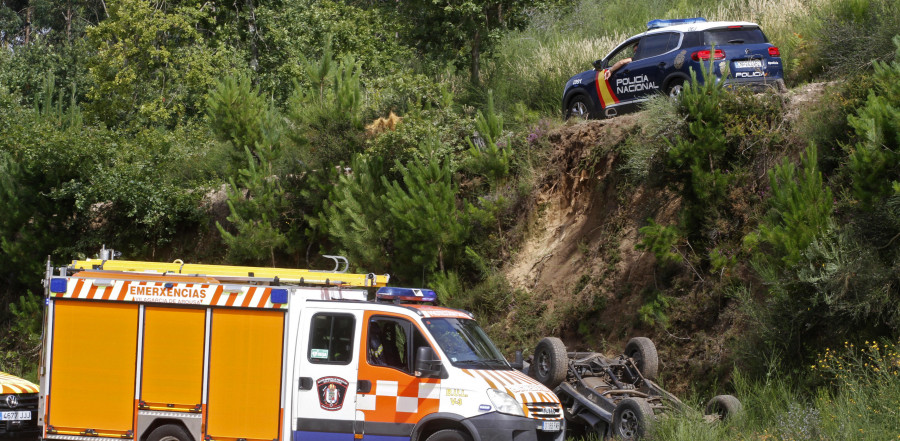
x: 580, y: 247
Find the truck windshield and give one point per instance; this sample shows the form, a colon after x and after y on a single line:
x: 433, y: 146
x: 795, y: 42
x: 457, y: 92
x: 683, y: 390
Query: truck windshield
x: 465, y: 343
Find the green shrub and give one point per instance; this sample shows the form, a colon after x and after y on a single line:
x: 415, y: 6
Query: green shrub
x: 874, y: 165
x: 662, y: 241
x: 801, y: 209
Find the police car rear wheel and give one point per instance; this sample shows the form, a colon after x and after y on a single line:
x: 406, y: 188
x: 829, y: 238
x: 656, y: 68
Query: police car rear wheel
x: 579, y: 107
x: 675, y: 87
x: 448, y: 435
x: 169, y: 432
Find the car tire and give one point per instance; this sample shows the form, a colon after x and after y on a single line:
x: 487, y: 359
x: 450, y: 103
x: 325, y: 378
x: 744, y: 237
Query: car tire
x: 631, y: 419
x: 448, y: 435
x: 643, y: 352
x: 675, y: 87
x: 724, y: 407
x: 550, y: 362
x: 169, y: 432
x: 579, y: 107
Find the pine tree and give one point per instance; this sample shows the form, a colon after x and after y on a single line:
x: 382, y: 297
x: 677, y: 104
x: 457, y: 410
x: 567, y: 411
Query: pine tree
x: 257, y: 204
x: 426, y: 220
x: 800, y: 210
x: 874, y: 162
x: 489, y: 154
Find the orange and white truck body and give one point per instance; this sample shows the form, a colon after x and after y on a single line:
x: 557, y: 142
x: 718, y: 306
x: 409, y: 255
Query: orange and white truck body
x: 174, y: 352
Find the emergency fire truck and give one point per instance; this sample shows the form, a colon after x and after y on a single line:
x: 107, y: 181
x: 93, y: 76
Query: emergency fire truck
x: 150, y: 351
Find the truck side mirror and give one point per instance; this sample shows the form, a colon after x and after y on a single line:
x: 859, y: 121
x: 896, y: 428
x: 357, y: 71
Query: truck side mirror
x: 428, y: 365
x: 519, y: 364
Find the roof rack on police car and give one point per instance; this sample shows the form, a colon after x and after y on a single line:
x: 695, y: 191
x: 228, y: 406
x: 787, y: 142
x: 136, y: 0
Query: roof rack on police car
x: 657, y: 24
x: 226, y: 273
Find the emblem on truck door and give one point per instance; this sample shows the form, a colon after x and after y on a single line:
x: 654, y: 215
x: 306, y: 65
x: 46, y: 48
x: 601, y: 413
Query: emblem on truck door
x: 332, y: 391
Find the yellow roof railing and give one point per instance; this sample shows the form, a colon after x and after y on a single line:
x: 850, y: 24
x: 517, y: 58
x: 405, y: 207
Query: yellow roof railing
x: 284, y: 275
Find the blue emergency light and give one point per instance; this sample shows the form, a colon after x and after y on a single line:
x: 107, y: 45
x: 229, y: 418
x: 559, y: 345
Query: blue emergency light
x: 656, y: 24
x: 279, y: 296
x: 390, y: 293
x: 58, y: 286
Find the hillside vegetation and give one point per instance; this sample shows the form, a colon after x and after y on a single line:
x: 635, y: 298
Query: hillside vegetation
x: 754, y: 237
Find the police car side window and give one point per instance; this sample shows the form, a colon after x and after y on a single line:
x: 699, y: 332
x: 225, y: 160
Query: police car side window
x: 331, y: 338
x: 654, y: 44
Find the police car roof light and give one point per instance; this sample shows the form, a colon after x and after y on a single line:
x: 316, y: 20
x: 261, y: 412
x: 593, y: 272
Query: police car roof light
x: 389, y: 293
x: 656, y: 24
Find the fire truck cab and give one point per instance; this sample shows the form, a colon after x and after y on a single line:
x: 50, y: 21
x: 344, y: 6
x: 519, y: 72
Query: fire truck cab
x: 179, y: 352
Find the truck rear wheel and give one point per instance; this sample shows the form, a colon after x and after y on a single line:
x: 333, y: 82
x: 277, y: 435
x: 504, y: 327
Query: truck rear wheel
x: 550, y: 362
x: 643, y: 352
x: 448, y: 435
x: 169, y: 432
x: 631, y: 418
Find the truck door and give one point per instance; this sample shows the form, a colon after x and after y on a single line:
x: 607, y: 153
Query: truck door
x: 324, y: 402
x: 391, y: 398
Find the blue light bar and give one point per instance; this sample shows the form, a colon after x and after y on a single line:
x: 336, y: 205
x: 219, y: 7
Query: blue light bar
x: 58, y: 286
x: 656, y: 24
x: 406, y: 294
x: 279, y: 296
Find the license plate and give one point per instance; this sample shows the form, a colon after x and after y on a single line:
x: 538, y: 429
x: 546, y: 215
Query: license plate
x: 22, y: 415
x: 748, y: 64
x: 551, y: 426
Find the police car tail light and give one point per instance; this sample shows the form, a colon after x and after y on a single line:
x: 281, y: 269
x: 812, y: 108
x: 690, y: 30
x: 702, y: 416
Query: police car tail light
x: 774, y: 52
x: 390, y: 293
x: 705, y: 55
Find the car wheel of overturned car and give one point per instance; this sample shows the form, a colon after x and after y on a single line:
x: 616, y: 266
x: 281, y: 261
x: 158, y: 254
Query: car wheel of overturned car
x: 579, y: 107
x: 169, y: 432
x: 643, y: 352
x: 631, y: 418
x: 675, y: 87
x: 724, y: 406
x: 550, y: 362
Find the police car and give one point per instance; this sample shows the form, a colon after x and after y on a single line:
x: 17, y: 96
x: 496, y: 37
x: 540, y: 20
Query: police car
x: 660, y: 60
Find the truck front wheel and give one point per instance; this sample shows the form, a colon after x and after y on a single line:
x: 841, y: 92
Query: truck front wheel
x: 448, y: 435
x: 169, y: 432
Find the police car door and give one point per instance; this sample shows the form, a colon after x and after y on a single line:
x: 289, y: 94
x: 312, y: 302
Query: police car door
x: 643, y: 77
x: 327, y: 362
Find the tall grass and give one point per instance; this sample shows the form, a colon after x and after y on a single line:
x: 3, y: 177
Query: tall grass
x: 859, y: 399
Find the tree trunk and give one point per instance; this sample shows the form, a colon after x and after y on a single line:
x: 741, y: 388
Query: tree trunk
x: 69, y: 20
x: 28, y: 24
x: 476, y: 59
x: 252, y: 31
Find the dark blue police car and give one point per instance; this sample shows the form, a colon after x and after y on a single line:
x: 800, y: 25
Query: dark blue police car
x: 660, y: 61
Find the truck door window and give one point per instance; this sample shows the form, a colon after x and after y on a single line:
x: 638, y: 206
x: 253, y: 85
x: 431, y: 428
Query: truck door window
x: 387, y: 343
x: 331, y: 338
x: 390, y: 343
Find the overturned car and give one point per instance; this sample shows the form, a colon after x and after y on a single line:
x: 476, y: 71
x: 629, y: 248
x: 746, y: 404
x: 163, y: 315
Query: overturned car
x: 612, y: 397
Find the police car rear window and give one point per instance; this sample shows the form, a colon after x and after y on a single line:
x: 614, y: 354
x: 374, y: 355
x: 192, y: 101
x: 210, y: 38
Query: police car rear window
x: 730, y: 36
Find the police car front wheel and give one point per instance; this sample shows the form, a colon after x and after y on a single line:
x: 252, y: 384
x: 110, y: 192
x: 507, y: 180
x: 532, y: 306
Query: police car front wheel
x: 448, y: 435
x: 579, y: 107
